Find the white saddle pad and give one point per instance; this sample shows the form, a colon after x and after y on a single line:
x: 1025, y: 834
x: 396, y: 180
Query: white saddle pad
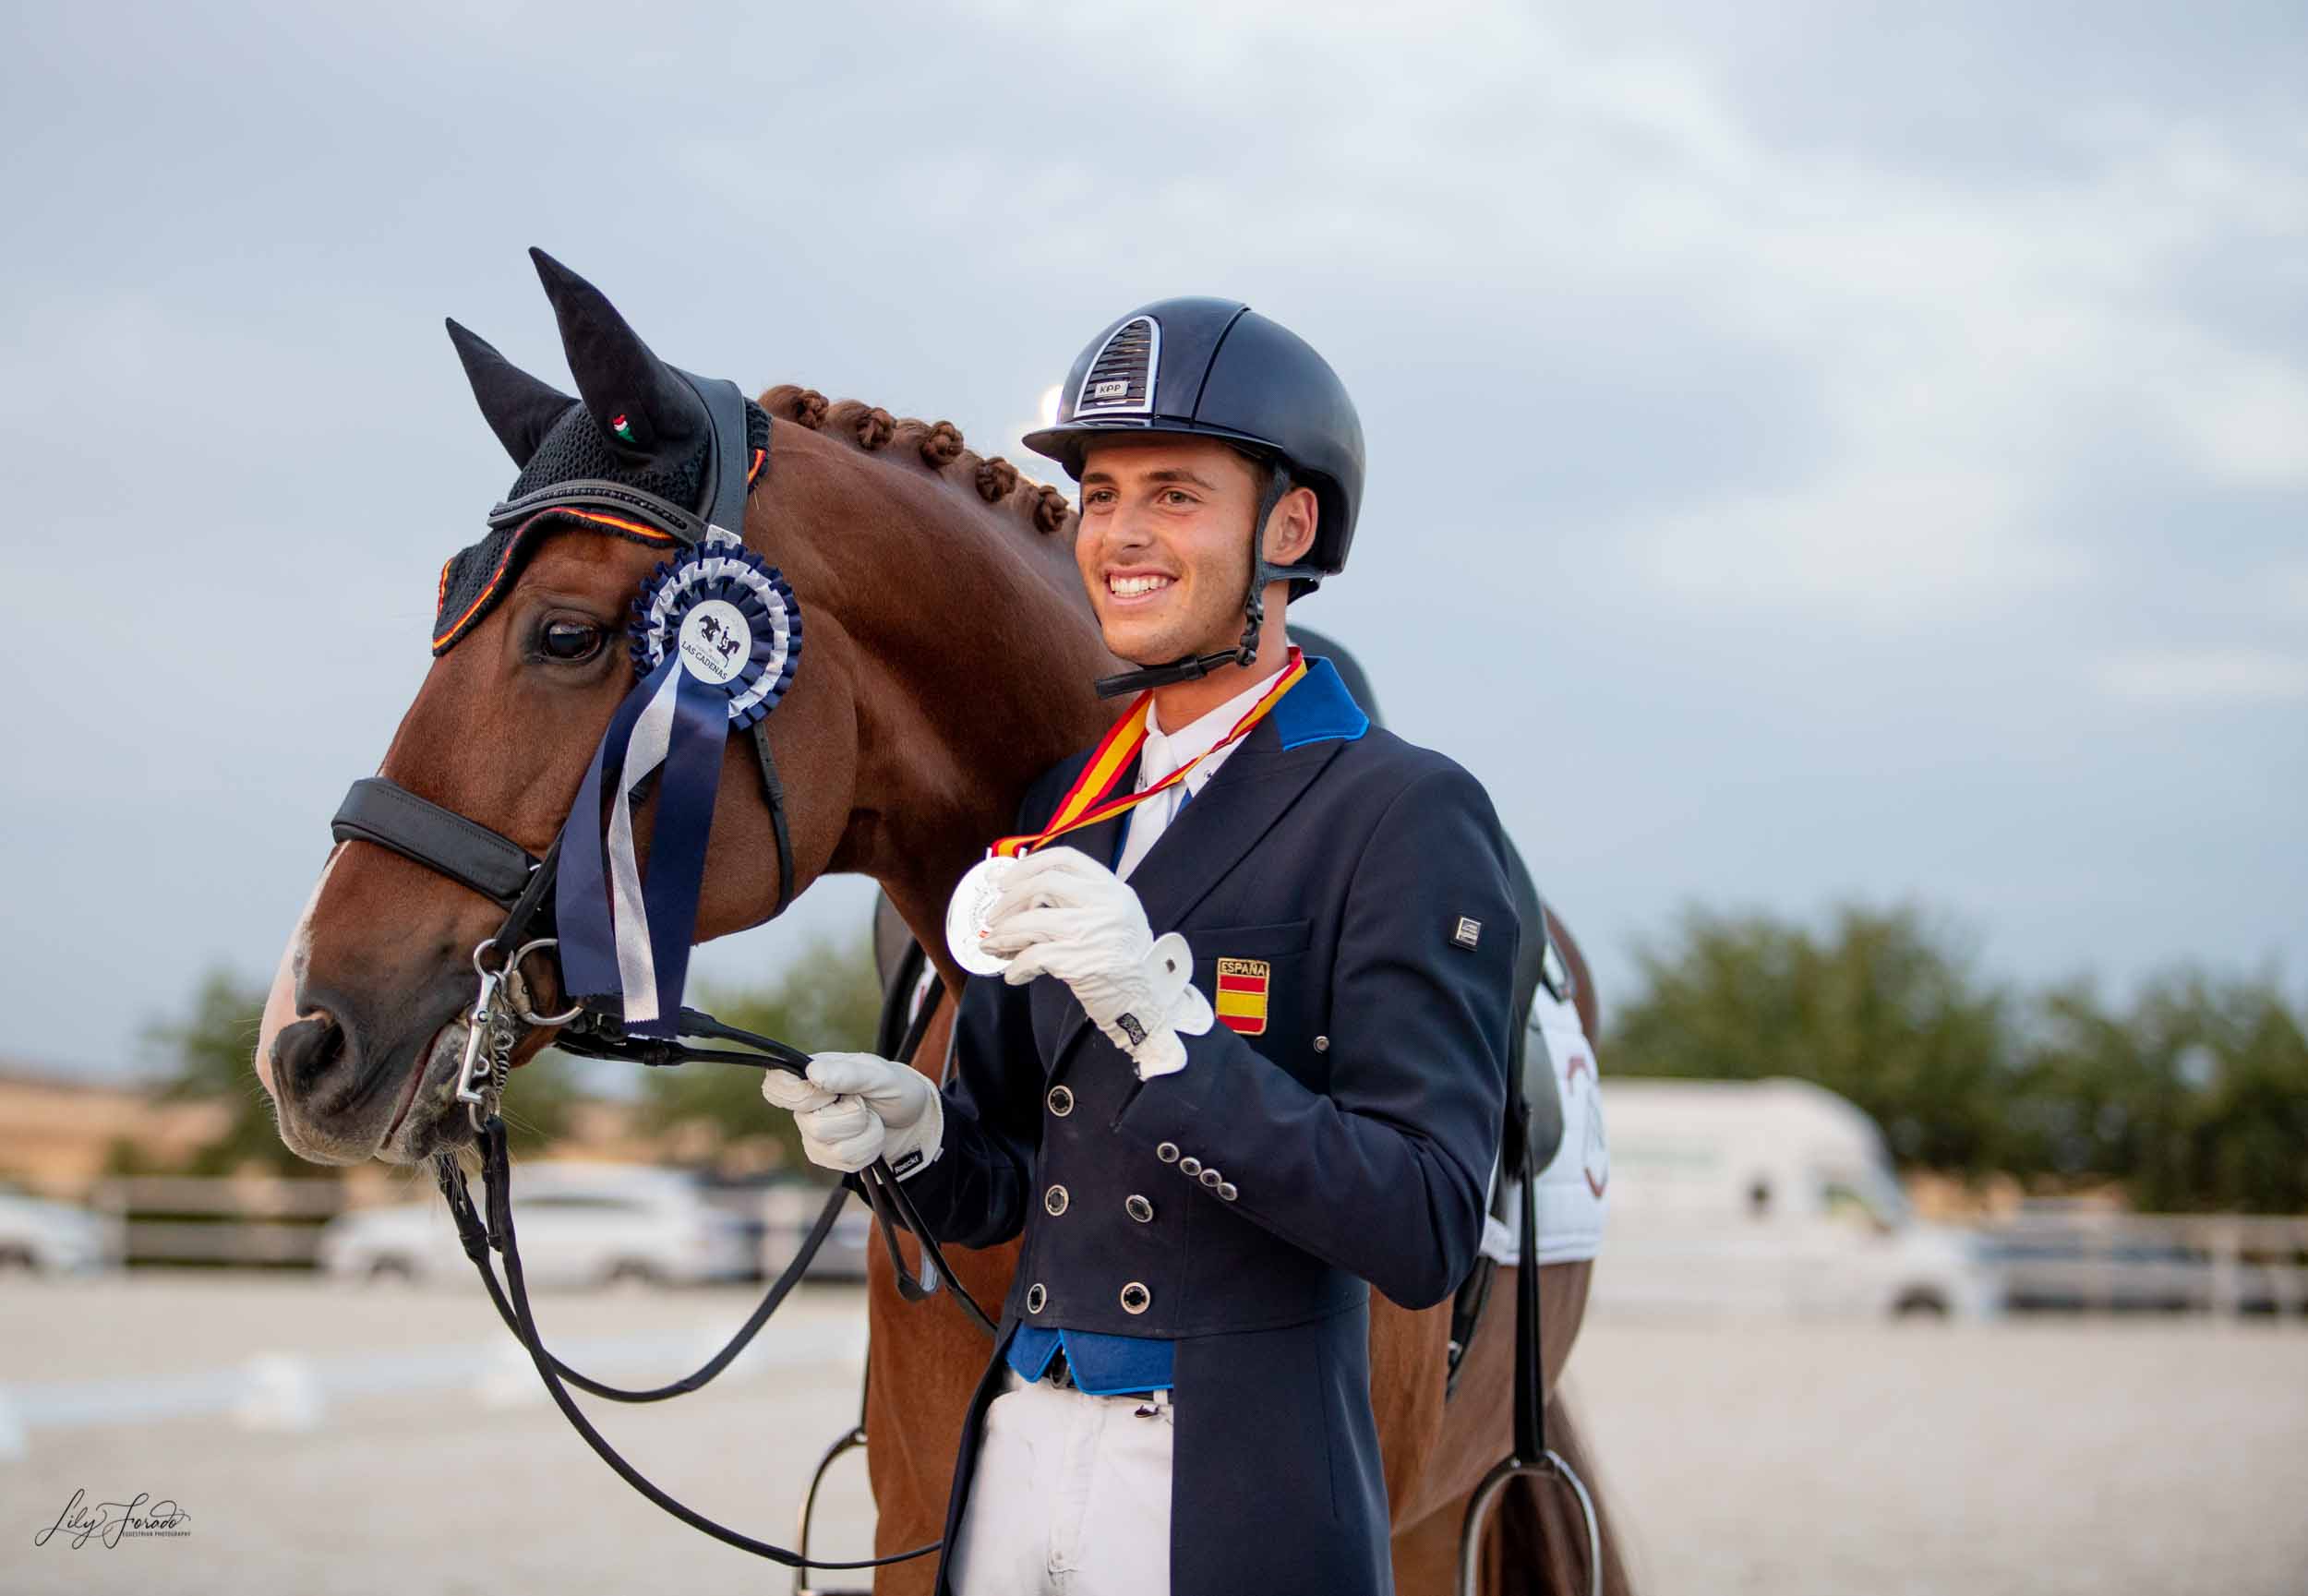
x: 1573, y: 1186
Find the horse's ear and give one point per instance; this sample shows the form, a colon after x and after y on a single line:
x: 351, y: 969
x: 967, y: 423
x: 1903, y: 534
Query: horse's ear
x: 634, y: 397
x: 518, y: 408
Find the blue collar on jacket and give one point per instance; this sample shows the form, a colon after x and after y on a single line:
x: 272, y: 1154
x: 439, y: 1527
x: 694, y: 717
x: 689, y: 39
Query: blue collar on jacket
x: 1319, y: 709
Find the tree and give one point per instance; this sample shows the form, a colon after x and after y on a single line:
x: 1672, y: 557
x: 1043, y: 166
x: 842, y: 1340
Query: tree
x: 2197, y: 1098
x: 2193, y: 1096
x: 827, y: 999
x: 212, y: 1047
x: 1885, y: 1009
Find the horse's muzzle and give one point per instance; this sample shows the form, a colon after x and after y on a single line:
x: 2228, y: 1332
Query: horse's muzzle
x: 342, y: 1097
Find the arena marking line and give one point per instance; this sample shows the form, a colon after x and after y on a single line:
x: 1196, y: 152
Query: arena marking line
x: 86, y: 1404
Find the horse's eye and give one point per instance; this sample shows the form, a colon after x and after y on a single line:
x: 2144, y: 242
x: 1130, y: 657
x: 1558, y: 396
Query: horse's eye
x: 572, y: 640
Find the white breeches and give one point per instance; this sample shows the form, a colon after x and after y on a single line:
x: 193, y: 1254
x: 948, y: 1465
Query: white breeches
x: 1070, y: 1496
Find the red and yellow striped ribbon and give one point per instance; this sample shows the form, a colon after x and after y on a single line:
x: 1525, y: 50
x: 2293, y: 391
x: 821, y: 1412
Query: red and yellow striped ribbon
x: 1087, y: 801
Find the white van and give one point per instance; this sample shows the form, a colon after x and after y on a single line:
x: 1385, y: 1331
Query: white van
x: 1772, y: 1198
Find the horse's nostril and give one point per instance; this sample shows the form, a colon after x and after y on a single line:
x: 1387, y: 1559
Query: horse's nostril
x: 306, y: 1051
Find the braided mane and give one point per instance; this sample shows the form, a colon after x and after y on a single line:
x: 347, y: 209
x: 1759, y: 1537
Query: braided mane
x: 936, y: 444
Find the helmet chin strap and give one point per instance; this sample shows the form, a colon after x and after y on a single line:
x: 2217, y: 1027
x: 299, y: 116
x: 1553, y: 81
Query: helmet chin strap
x: 1253, y: 606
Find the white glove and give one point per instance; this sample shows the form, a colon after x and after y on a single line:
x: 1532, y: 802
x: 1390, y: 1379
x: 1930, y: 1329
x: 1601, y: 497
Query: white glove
x: 1063, y: 914
x: 856, y: 1107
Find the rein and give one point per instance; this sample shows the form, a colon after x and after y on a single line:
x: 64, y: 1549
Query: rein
x: 379, y: 810
x: 495, y: 1233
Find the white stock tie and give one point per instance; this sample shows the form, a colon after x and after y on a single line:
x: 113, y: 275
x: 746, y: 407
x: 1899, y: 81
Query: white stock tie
x: 1150, y: 818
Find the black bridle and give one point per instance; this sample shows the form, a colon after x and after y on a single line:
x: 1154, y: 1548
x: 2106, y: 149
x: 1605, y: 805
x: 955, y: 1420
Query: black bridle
x: 380, y: 811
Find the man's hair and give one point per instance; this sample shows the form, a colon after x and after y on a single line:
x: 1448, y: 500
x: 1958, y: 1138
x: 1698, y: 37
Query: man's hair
x: 1280, y: 480
x: 1268, y: 465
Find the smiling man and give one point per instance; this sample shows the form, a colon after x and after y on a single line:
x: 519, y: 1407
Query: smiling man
x: 1160, y: 538
x: 1247, y: 1058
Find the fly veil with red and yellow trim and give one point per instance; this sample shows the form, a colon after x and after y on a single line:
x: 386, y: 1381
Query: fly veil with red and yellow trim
x: 638, y: 442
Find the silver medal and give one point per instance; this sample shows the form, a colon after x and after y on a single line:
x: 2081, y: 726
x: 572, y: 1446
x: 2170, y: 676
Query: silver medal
x: 970, y: 908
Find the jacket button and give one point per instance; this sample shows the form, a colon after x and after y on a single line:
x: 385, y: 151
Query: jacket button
x: 1135, y: 1299
x: 1055, y: 1200
x: 1190, y: 1165
x: 1061, y: 1101
x: 1036, y: 1297
x: 1226, y: 1193
x: 1167, y: 1152
x: 1138, y: 1208
x: 1212, y: 1179
x: 1322, y: 1044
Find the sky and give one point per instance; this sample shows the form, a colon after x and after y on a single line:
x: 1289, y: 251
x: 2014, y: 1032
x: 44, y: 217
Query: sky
x: 1815, y: 456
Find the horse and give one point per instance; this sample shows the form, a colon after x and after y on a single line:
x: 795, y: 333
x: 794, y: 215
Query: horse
x: 950, y: 653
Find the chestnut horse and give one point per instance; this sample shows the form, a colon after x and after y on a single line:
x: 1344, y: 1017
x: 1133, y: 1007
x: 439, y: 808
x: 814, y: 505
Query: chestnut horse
x: 951, y: 652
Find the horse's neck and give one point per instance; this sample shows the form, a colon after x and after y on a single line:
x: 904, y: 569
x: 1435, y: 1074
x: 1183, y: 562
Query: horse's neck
x: 973, y: 677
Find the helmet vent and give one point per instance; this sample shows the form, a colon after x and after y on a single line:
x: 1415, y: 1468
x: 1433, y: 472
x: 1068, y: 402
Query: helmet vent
x: 1121, y: 380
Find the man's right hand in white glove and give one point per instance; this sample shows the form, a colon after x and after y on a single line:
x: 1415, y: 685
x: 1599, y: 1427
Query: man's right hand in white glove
x: 855, y: 1107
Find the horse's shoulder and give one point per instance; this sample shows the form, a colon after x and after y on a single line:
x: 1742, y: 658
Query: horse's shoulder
x: 1043, y: 793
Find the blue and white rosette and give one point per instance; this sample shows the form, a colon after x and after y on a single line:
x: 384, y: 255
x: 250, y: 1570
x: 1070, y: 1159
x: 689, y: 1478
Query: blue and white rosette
x: 716, y: 636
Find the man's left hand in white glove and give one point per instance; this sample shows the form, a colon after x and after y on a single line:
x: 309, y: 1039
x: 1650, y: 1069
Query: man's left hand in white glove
x: 854, y: 1108
x: 1063, y: 914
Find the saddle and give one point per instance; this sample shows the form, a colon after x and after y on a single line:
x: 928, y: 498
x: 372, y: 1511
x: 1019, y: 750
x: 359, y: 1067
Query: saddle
x: 1535, y: 1109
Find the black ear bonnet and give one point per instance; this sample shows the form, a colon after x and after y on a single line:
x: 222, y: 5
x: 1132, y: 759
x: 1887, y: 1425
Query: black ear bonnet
x: 640, y: 424
x: 574, y: 449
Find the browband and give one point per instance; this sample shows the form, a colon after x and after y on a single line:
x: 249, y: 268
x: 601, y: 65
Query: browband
x: 599, y: 493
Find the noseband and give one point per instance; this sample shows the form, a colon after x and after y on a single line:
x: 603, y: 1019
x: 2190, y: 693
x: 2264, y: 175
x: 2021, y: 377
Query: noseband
x: 379, y: 810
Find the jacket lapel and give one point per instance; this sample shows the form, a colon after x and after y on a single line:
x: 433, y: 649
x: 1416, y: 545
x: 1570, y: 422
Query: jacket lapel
x: 1207, y: 839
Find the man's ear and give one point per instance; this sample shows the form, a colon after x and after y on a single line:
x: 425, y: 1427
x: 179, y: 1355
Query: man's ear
x: 1290, y: 529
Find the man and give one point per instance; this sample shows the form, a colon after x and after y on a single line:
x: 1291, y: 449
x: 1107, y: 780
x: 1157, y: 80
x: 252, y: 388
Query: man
x: 1180, y: 1397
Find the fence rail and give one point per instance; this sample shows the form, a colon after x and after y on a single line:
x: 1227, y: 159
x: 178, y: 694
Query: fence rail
x: 185, y: 1219
x: 2078, y: 1260
x: 277, y: 1223
x: 2223, y: 1264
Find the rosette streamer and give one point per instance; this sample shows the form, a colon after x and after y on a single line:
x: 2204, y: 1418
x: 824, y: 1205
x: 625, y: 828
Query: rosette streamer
x: 716, y: 636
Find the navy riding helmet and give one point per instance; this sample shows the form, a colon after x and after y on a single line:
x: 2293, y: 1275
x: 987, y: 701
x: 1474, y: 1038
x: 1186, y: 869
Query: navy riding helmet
x: 1216, y: 368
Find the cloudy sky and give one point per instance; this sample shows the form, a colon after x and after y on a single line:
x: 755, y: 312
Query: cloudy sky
x: 1813, y: 456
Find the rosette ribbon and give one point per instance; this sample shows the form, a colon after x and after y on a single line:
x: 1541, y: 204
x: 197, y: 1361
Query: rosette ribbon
x: 717, y: 635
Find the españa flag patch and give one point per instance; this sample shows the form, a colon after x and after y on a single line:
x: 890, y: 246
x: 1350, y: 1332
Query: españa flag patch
x: 1241, y: 994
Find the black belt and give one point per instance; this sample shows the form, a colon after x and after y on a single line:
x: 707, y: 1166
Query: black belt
x: 1060, y: 1374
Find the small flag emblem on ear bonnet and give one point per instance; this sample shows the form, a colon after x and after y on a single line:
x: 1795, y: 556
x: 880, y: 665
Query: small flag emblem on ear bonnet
x: 622, y: 427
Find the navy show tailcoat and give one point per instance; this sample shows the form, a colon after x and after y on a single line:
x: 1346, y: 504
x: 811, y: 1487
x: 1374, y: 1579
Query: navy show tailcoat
x: 1244, y: 1206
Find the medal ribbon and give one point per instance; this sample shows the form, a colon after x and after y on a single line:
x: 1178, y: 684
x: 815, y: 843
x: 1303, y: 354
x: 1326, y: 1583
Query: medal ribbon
x: 1087, y: 801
